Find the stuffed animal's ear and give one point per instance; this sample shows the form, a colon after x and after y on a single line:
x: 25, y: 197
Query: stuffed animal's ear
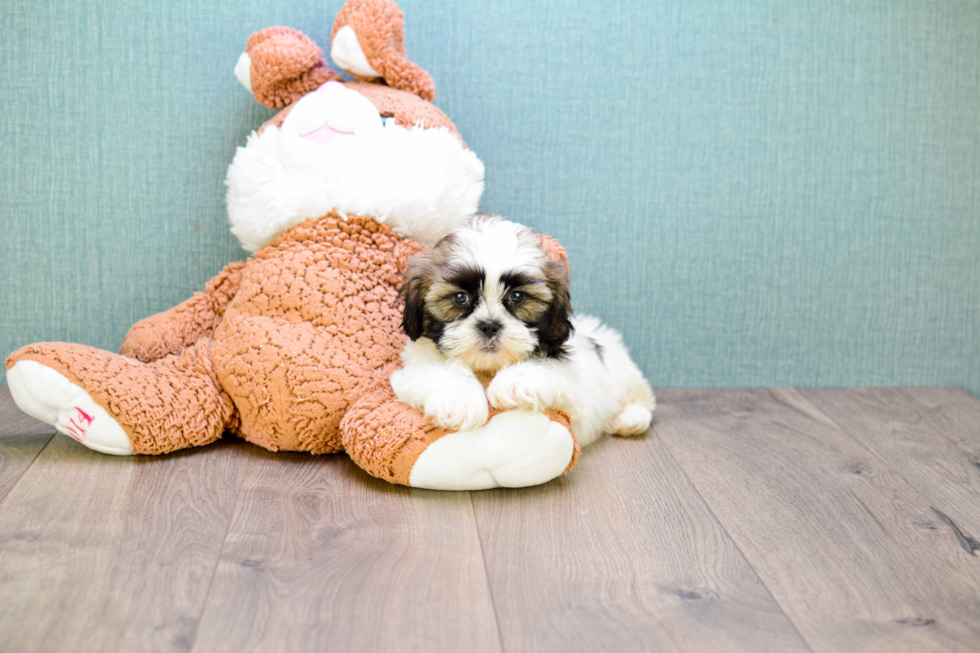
x: 368, y: 41
x: 554, y: 251
x: 281, y: 65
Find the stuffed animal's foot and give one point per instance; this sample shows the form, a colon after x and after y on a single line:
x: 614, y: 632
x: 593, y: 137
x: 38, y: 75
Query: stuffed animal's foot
x: 392, y: 441
x: 47, y: 395
x: 517, y: 448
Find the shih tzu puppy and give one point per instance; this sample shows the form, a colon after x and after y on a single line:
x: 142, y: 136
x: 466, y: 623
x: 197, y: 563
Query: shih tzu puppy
x: 489, y: 318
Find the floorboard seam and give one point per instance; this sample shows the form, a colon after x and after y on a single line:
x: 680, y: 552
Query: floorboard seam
x: 31, y: 464
x: 732, y: 539
x: 486, y: 572
x: 217, y: 562
x: 874, y: 454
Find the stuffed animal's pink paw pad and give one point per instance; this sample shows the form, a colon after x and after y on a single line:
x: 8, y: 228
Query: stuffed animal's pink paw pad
x: 47, y: 395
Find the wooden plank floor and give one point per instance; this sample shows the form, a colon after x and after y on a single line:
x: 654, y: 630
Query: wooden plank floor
x: 747, y: 520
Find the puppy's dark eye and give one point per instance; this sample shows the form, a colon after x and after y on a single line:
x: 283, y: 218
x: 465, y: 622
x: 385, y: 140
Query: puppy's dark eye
x: 461, y: 298
x: 516, y: 297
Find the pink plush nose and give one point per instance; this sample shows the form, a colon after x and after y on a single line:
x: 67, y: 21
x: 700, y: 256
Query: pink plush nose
x: 325, y: 135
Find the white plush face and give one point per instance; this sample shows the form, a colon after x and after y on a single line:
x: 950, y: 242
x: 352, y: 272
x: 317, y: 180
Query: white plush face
x: 335, y: 152
x: 488, y: 296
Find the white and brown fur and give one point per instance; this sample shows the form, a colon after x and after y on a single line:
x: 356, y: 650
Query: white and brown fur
x: 489, y: 318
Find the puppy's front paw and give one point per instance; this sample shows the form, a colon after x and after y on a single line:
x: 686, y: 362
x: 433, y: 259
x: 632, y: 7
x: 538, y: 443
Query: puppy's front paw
x: 521, y: 386
x: 458, y: 409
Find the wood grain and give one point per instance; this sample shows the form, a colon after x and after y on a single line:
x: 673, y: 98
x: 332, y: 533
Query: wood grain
x: 753, y: 519
x: 854, y: 555
x: 930, y: 436
x: 104, y: 553
x: 622, y: 555
x: 321, y: 556
x: 21, y: 439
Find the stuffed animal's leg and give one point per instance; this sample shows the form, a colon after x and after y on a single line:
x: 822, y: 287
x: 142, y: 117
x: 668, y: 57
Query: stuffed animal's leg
x: 172, y: 330
x: 516, y: 448
x: 397, y: 443
x: 118, y: 405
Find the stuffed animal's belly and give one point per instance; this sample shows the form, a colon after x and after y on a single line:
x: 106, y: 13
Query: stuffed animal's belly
x: 298, y: 345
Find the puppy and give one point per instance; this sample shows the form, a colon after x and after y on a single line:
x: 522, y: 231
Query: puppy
x: 487, y: 307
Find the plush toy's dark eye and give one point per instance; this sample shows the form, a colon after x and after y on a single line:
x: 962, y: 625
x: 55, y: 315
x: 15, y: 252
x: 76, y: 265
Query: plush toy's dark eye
x: 461, y: 298
x: 516, y: 297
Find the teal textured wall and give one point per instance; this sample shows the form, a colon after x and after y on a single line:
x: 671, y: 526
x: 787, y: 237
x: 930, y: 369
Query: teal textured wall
x: 755, y: 193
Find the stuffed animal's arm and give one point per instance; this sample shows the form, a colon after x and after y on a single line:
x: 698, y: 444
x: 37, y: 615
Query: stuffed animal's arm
x: 397, y: 443
x: 175, y: 329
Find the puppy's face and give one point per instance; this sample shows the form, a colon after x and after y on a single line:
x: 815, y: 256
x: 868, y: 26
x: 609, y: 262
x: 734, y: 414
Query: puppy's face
x: 489, y: 296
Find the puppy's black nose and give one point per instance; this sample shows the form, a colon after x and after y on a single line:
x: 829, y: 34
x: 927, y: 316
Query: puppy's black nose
x: 489, y: 328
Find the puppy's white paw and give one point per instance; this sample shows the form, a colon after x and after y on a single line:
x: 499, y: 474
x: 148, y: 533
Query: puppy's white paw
x: 523, y: 386
x: 458, y: 409
x: 633, y: 420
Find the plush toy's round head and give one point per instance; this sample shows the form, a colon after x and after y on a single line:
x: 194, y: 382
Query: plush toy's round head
x: 373, y: 147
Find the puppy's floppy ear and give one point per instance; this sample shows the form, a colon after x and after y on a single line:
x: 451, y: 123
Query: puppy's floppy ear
x: 554, y: 328
x: 413, y: 316
x: 418, y: 278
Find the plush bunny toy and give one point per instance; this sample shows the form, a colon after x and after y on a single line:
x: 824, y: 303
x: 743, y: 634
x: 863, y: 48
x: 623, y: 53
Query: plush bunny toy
x: 292, y: 349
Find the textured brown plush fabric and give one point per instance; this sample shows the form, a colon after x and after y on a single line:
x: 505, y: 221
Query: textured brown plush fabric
x: 286, y: 65
x: 291, y: 350
x: 313, y: 323
x: 385, y: 437
x: 183, y: 325
x: 380, y: 29
x: 285, y: 343
x: 407, y: 109
x: 173, y: 403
